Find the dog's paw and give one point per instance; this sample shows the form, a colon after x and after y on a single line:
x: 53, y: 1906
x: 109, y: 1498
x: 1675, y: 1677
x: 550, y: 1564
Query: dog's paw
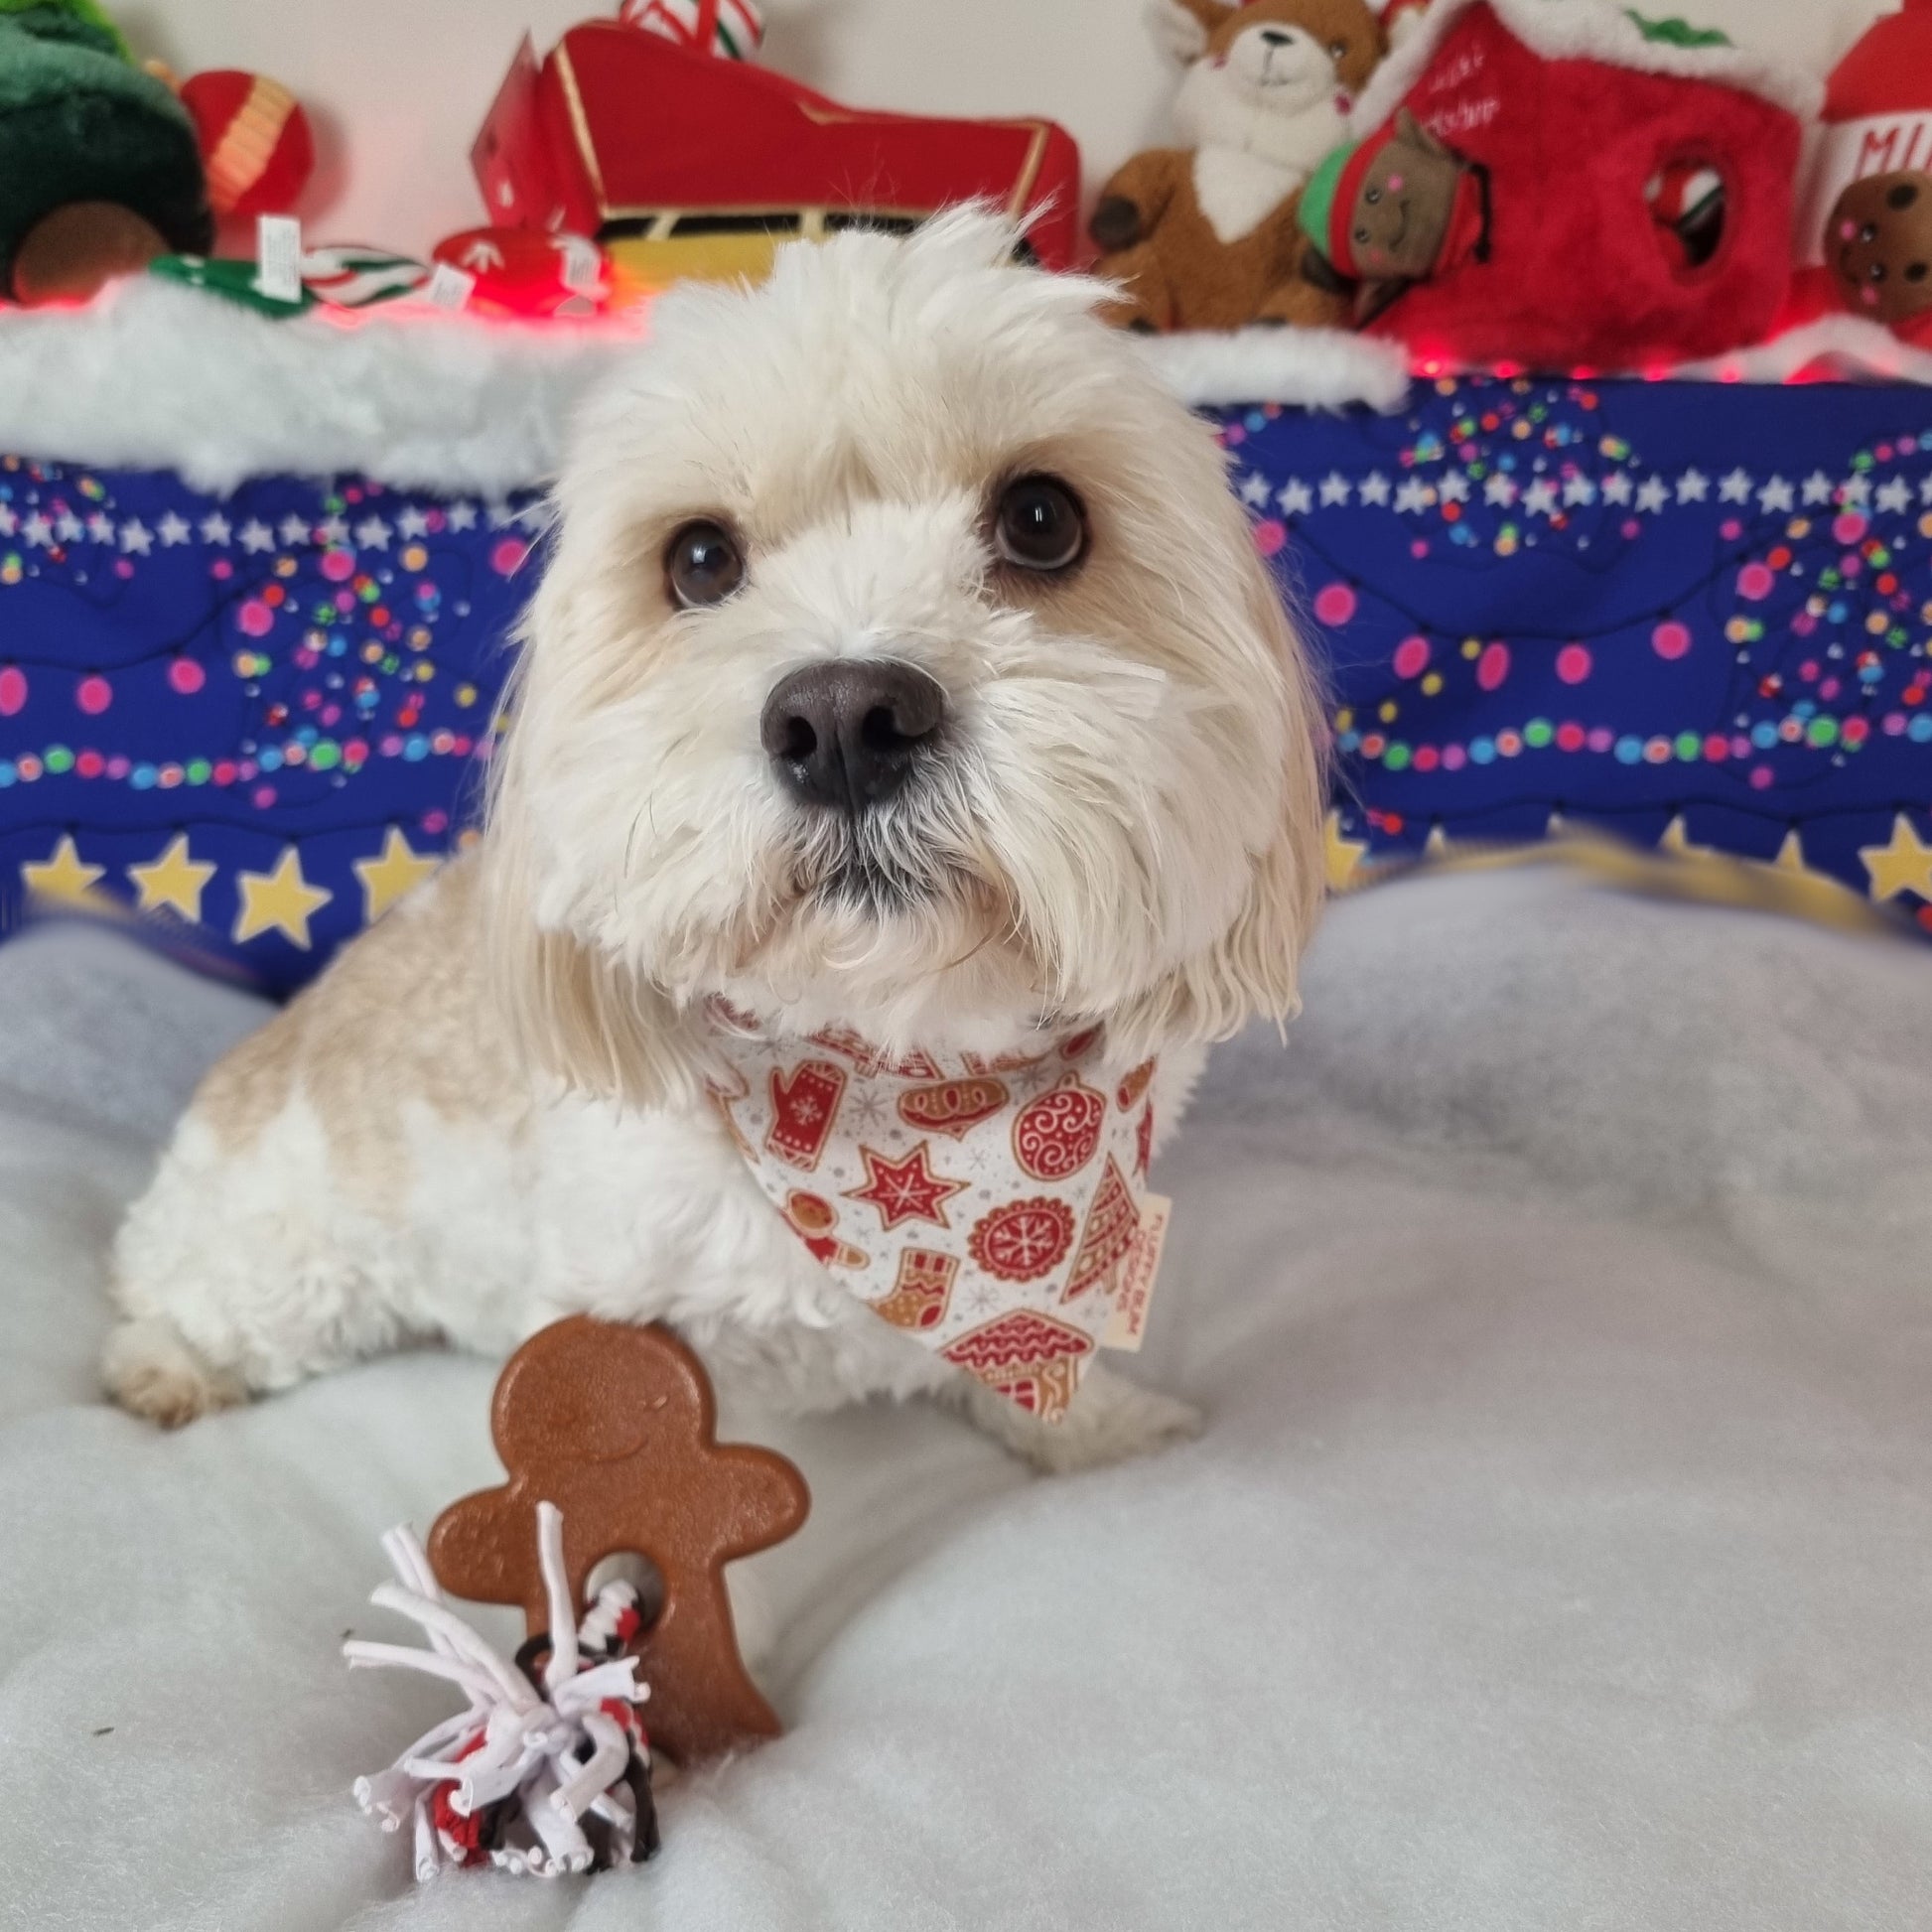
x: 1111, y: 1423
x: 1111, y: 1420
x: 150, y: 1371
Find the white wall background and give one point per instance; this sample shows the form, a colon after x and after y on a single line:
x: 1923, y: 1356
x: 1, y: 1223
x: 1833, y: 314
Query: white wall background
x: 398, y: 88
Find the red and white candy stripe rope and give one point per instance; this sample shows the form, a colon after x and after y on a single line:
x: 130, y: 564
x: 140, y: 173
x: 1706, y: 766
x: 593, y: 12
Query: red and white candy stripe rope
x: 730, y: 28
x: 511, y: 1780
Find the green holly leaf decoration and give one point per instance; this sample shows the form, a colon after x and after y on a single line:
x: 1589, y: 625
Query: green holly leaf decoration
x: 234, y: 281
x: 1674, y: 32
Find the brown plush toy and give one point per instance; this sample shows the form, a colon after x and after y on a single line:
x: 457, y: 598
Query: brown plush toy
x: 1879, y: 244
x: 1205, y: 236
x: 1393, y: 209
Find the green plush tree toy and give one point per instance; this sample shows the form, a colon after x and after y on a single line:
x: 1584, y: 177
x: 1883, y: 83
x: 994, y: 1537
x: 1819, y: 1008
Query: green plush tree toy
x: 99, y: 168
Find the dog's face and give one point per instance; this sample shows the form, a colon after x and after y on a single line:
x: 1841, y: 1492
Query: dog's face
x: 903, y: 662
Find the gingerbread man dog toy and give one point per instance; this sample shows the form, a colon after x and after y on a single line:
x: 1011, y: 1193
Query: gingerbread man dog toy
x: 608, y: 1435
x: 617, y: 1427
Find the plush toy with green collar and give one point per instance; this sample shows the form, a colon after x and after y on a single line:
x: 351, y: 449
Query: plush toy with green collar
x: 99, y: 169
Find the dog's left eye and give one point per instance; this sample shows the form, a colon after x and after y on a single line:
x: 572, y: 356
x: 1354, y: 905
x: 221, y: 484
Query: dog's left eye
x: 1039, y: 525
x: 703, y: 564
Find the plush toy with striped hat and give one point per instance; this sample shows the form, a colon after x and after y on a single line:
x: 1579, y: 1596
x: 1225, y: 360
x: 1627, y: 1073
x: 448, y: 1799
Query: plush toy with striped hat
x: 730, y: 28
x: 1864, y: 227
x: 1393, y: 209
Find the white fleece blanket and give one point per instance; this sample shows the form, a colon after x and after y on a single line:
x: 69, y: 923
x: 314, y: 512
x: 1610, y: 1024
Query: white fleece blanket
x: 1557, y: 1555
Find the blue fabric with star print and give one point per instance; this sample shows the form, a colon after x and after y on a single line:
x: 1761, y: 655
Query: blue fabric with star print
x: 259, y: 718
x: 1688, y: 614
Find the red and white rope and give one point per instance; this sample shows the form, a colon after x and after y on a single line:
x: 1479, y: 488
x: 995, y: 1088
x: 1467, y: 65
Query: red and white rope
x: 510, y: 1779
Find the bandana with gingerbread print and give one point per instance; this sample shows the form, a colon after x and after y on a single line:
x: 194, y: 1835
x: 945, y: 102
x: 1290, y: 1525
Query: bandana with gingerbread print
x: 995, y: 1208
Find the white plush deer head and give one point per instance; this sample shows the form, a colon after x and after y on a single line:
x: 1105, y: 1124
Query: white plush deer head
x: 1273, y: 78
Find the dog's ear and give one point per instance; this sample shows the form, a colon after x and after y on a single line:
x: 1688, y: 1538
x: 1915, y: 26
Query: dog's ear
x: 1254, y: 967
x: 1180, y: 27
x: 578, y: 1017
x: 568, y: 1009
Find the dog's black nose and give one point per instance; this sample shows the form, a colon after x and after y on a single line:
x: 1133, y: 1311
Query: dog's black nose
x: 848, y: 732
x: 1275, y: 37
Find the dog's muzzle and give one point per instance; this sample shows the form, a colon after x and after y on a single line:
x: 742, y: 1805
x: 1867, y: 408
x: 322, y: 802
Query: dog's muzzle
x: 846, y: 734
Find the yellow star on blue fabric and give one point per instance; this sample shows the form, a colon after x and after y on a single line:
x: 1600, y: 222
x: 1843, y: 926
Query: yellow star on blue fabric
x: 1902, y: 864
x: 394, y: 873
x: 281, y: 902
x: 62, y: 877
x: 1343, y: 855
x: 174, y: 879
x: 1677, y: 841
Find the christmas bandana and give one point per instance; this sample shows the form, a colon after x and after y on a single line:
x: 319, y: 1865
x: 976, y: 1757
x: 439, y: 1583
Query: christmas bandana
x: 994, y: 1207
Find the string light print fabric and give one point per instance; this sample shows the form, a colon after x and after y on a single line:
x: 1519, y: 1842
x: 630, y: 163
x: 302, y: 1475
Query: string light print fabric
x: 1693, y: 615
x: 992, y: 1209
x: 1696, y: 616
x: 260, y: 718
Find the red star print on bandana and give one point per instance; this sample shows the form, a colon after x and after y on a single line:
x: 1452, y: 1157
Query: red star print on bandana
x: 905, y: 1190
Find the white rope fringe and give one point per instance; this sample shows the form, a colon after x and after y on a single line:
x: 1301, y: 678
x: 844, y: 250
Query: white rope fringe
x: 511, y: 1780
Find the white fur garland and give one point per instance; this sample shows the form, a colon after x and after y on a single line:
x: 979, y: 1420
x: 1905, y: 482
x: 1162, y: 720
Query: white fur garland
x: 537, y: 1761
x: 1838, y: 347
x: 1312, y: 369
x: 155, y: 376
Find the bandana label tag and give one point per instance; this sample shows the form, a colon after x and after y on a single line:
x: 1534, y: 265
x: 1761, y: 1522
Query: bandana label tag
x: 1127, y: 1326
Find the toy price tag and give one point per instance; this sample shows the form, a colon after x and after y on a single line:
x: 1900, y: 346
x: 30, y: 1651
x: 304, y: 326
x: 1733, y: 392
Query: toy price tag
x: 448, y: 287
x: 278, y: 257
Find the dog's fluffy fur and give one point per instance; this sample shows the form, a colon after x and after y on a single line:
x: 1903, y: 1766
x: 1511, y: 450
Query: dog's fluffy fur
x: 489, y: 1112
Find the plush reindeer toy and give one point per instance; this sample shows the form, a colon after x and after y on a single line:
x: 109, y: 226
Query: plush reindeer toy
x: 1205, y: 236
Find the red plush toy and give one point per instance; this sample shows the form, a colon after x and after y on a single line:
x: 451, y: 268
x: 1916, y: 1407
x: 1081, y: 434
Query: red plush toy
x: 1611, y: 189
x: 524, y: 272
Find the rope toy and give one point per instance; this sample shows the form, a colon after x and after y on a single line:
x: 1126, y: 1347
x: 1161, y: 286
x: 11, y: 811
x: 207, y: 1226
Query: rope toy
x: 548, y: 1770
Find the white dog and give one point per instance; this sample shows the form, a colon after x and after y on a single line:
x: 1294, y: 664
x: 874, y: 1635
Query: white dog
x: 904, y: 669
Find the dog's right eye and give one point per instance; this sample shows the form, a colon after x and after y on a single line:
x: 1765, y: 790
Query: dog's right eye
x: 1038, y: 524
x: 703, y: 564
